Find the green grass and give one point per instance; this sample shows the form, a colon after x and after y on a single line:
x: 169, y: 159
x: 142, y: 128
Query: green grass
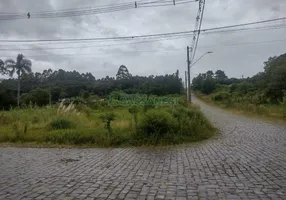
x: 83, y: 126
x: 269, y: 112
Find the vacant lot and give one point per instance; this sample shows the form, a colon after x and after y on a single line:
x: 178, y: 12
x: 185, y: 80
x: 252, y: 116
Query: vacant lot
x: 104, y: 125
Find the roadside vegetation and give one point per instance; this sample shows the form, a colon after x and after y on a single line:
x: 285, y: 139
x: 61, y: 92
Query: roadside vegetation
x: 68, y: 108
x: 263, y: 95
x: 99, y: 124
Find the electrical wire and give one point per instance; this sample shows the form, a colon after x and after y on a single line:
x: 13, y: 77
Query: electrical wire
x: 106, y: 45
x: 183, y: 36
x: 263, y: 28
x: 158, y: 50
x: 100, y: 39
x: 118, y: 38
x: 83, y: 8
x: 90, y: 11
x: 199, y: 30
x: 245, y: 24
x: 178, y: 3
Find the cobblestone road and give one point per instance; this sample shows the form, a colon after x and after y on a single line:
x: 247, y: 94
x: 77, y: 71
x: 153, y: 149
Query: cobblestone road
x: 247, y: 161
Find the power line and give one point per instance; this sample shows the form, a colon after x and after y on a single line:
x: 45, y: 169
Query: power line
x: 106, y: 45
x: 246, y: 24
x: 202, y: 8
x: 91, y: 11
x: 243, y: 43
x: 83, y: 8
x: 100, y: 39
x: 158, y: 50
x: 137, y: 42
x: 264, y: 28
x: 261, y: 28
x: 178, y: 3
x: 170, y: 34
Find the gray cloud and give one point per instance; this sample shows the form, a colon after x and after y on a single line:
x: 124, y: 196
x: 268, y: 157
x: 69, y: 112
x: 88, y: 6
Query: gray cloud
x: 159, y: 57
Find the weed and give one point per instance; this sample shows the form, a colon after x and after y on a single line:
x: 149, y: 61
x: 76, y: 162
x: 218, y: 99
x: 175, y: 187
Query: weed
x: 67, y: 109
x: 6, y: 119
x: 58, y: 124
x: 16, y: 130
x: 35, y: 120
x: 134, y: 110
x: 107, y: 118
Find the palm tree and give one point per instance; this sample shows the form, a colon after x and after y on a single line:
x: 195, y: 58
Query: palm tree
x: 21, y: 66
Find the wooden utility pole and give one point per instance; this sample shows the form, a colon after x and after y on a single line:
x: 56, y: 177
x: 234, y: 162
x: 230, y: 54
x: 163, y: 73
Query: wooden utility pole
x: 186, y: 83
x: 189, y: 75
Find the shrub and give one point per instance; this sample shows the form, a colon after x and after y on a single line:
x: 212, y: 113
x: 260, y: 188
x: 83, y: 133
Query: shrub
x: 6, y: 119
x: 35, y: 119
x: 283, y: 105
x: 192, y: 123
x: 16, y: 129
x: 107, y: 118
x: 147, y: 107
x: 98, y: 104
x: 78, y: 100
x: 134, y: 111
x: 220, y: 96
x: 103, y: 104
x: 85, y: 95
x: 61, y: 124
x: 157, y: 125
x: 37, y: 96
x: 183, y: 102
x: 73, y: 100
x: 82, y: 108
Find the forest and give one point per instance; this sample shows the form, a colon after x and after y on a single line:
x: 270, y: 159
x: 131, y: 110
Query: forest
x: 51, y: 86
x: 262, y: 94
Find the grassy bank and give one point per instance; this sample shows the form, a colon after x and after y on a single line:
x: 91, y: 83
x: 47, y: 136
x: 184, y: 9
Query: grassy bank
x: 275, y: 113
x: 104, y: 126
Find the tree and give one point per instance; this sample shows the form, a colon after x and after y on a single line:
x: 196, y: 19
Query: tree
x: 210, y: 73
x: 275, y: 73
x: 68, y: 84
x: 123, y: 73
x: 21, y: 66
x: 197, y: 83
x: 277, y: 84
x: 47, y: 73
x: 2, y: 67
x: 177, y: 74
x: 39, y: 96
x: 208, y: 85
x: 219, y: 74
x: 7, y: 97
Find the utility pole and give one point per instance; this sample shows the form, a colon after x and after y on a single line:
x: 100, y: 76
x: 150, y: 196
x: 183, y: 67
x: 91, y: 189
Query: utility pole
x: 192, y: 50
x: 186, y: 83
x: 189, y: 75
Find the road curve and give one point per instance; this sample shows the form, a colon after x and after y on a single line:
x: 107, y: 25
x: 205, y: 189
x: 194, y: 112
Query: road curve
x: 246, y: 161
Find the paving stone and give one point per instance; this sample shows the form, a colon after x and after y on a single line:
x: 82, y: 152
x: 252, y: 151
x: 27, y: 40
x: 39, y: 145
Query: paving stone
x: 246, y: 161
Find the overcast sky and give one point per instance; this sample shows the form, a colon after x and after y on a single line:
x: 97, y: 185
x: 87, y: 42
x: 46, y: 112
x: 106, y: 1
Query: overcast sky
x: 162, y: 56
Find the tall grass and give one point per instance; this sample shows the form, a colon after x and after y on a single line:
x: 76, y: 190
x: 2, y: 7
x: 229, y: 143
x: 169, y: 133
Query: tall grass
x: 79, y: 124
x: 247, y: 105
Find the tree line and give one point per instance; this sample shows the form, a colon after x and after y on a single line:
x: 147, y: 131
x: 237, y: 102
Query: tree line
x: 267, y: 87
x: 52, y: 85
